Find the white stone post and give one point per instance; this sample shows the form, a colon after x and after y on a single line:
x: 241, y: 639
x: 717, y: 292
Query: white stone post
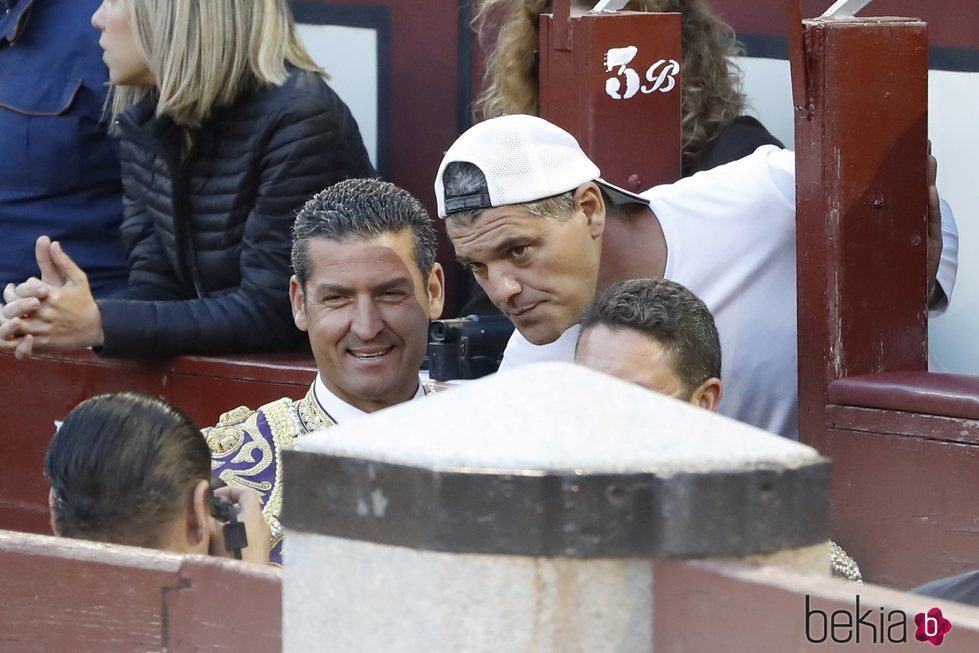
x: 522, y: 512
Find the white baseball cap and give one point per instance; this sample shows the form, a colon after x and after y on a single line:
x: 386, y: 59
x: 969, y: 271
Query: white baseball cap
x: 524, y: 159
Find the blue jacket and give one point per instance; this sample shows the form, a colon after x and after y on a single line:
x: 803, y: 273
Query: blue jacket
x: 59, y: 174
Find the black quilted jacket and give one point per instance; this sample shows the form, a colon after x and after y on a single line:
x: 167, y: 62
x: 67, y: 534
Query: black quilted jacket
x: 208, y: 233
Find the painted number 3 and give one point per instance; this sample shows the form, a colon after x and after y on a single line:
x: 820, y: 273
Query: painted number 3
x: 661, y: 75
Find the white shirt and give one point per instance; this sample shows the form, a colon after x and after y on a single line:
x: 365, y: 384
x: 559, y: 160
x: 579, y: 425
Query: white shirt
x: 338, y: 409
x: 730, y: 237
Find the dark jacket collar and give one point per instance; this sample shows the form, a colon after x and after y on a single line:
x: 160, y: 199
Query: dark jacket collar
x: 13, y: 17
x: 140, y: 123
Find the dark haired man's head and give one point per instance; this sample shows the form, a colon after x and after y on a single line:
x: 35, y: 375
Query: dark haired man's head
x: 130, y: 469
x: 658, y: 334
x: 365, y: 288
x: 362, y: 209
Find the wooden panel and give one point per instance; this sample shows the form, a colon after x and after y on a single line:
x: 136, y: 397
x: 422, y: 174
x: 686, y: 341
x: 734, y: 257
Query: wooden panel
x: 601, y: 75
x: 203, y: 615
x: 861, y: 202
x: 36, y: 392
x: 70, y: 595
x: 892, y: 422
x: 59, y: 597
x: 905, y: 507
x: 904, y: 483
x: 700, y: 606
x: 207, y: 387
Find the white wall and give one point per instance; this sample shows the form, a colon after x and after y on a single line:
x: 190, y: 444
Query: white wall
x: 954, y: 131
x: 349, y: 56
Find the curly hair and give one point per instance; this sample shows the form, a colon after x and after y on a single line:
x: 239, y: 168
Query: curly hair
x: 711, y: 97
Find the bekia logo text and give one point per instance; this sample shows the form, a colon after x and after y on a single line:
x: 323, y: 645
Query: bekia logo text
x: 873, y: 625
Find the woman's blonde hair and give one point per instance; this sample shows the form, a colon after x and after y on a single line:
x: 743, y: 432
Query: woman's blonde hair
x: 205, y: 54
x: 711, y: 96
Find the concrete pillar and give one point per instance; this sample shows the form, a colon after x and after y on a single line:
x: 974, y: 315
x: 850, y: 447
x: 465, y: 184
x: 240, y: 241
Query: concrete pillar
x: 522, y: 513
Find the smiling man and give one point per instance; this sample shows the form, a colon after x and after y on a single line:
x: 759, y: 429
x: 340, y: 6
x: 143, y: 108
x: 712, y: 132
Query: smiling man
x: 366, y: 285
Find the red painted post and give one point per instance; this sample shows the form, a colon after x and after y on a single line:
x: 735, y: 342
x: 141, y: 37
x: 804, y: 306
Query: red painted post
x: 861, y: 205
x: 613, y: 80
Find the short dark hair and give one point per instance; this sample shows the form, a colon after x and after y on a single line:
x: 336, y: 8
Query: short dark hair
x: 668, y: 313
x: 362, y: 208
x: 464, y: 178
x: 122, y: 467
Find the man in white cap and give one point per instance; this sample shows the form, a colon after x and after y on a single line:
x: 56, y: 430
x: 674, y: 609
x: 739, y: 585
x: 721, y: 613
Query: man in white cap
x: 527, y: 212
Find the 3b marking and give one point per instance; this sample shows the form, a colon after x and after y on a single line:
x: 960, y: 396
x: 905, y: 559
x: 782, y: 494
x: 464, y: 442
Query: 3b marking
x: 661, y: 75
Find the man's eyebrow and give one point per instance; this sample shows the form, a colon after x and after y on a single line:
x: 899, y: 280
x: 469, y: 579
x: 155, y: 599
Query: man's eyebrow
x: 506, y: 243
x: 397, y: 283
x: 331, y: 289
x: 509, y: 242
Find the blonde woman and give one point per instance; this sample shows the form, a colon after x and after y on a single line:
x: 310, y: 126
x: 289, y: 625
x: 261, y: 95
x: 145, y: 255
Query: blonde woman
x: 226, y: 128
x: 714, y: 129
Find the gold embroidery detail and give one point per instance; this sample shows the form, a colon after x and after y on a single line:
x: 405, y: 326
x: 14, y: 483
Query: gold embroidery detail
x: 242, y: 443
x: 222, y: 440
x: 285, y: 426
x: 311, y: 414
x: 842, y: 565
x: 275, y: 539
x: 431, y: 387
x: 234, y: 416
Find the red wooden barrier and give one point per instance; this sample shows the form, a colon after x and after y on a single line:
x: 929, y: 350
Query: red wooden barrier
x: 70, y: 595
x: 613, y: 80
x: 903, y: 442
x: 700, y: 606
x: 35, y: 393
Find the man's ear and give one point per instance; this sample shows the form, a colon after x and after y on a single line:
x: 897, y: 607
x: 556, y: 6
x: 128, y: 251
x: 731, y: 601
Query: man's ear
x: 589, y: 198
x: 436, y: 291
x: 708, y: 395
x: 298, y: 299
x: 198, y: 512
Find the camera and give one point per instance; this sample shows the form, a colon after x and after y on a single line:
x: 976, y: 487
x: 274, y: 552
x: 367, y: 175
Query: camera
x: 235, y: 538
x: 221, y: 508
x: 466, y: 348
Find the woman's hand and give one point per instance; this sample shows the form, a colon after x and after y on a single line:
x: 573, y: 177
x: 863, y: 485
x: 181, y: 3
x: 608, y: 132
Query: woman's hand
x: 54, y: 313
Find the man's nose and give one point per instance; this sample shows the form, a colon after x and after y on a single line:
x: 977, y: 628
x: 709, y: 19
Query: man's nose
x: 367, y: 322
x: 501, y: 285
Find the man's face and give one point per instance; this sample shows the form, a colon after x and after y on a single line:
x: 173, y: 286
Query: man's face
x: 366, y: 308
x: 632, y: 356
x: 539, y: 271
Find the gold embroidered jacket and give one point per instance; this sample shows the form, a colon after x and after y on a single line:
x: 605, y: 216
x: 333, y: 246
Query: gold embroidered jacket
x: 246, y: 449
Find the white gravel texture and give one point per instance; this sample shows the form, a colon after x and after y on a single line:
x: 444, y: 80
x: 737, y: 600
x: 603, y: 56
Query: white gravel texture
x: 557, y: 417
